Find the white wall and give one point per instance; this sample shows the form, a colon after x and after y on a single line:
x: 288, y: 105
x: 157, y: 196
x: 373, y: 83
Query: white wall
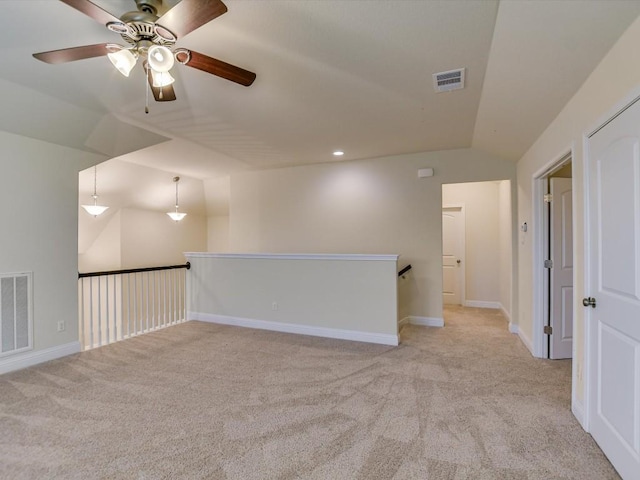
x: 368, y: 206
x: 482, y: 238
x: 39, y: 222
x: 598, y: 99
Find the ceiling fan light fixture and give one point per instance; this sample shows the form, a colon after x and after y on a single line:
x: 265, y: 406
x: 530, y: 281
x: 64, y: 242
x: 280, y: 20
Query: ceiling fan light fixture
x: 123, y: 60
x: 160, y: 58
x: 161, y: 79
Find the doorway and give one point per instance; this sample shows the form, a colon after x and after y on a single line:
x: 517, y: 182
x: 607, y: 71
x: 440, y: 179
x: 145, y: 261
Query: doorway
x: 477, y: 245
x: 553, y: 253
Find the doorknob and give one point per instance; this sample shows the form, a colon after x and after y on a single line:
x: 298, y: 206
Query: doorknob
x: 589, y: 302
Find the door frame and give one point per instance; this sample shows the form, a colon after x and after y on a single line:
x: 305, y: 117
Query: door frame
x: 463, y: 247
x: 541, y: 300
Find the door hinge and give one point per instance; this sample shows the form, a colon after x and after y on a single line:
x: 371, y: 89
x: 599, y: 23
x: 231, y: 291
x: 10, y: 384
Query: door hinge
x: 548, y: 330
x: 548, y: 198
x: 548, y: 264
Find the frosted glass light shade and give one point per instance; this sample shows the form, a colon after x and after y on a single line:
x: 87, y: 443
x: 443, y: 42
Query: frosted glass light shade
x: 123, y: 60
x: 95, y: 210
x: 177, y: 216
x: 160, y: 58
x: 161, y: 79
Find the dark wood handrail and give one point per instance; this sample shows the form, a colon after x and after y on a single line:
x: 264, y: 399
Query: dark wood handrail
x: 404, y: 270
x: 134, y: 270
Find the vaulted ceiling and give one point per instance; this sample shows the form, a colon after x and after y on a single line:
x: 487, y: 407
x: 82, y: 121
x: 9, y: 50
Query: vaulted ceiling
x: 354, y: 75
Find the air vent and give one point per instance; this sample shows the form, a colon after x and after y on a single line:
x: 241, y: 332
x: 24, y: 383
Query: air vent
x: 447, y: 81
x: 15, y: 313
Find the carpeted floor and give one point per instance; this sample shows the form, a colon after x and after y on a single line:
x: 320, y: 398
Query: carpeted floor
x: 198, y: 401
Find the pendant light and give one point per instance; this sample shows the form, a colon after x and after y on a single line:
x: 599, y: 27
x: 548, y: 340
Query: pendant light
x: 95, y: 209
x: 177, y: 216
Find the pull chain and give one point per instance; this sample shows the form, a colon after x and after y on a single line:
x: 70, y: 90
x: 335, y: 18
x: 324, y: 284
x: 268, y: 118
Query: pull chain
x: 146, y: 90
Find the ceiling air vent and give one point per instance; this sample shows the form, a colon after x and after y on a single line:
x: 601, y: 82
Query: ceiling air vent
x: 447, y: 81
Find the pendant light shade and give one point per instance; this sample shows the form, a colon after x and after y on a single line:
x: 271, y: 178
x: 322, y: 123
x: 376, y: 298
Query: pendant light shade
x: 176, y: 216
x: 161, y: 79
x: 123, y: 60
x: 95, y: 209
x: 160, y: 58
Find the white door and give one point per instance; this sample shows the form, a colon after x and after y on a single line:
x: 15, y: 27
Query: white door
x: 561, y: 283
x: 614, y: 285
x: 452, y: 255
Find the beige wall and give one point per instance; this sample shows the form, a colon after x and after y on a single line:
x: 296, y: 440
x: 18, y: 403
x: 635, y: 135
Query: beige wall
x: 598, y: 99
x: 105, y: 252
x: 39, y: 222
x: 218, y: 233
x: 369, y: 206
x: 319, y: 295
x: 135, y: 238
x: 168, y: 241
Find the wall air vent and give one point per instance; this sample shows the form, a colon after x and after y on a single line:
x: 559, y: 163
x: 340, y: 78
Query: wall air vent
x: 447, y: 81
x: 15, y: 313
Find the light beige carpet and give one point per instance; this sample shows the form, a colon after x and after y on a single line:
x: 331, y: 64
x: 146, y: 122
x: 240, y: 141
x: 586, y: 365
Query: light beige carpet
x: 466, y: 401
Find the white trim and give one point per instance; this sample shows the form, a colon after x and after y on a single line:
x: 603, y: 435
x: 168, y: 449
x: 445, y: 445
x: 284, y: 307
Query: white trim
x: 577, y: 409
x: 482, y: 304
x: 296, y: 256
x: 423, y: 321
x: 514, y: 328
x: 34, y: 358
x: 538, y: 242
x: 380, y: 338
x: 526, y: 340
x: 506, y: 314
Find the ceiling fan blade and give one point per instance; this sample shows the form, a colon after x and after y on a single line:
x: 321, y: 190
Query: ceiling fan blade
x: 217, y: 67
x: 92, y: 10
x: 188, y: 15
x: 161, y: 94
x: 71, y: 54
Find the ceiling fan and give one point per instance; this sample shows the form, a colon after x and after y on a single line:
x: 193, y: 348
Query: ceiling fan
x: 152, y: 39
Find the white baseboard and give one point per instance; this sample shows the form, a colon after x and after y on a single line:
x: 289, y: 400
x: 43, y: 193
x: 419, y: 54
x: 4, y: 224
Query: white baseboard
x: 577, y: 408
x: 526, y: 340
x: 513, y: 328
x: 506, y: 314
x: 482, y: 304
x: 422, y: 321
x: 380, y: 338
x: 31, y: 358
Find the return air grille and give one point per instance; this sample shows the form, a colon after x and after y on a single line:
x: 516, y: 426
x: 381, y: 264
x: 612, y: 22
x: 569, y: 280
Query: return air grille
x: 15, y: 313
x: 447, y: 81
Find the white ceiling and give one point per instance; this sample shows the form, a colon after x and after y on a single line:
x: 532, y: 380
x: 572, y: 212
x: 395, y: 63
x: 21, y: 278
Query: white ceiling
x: 349, y: 74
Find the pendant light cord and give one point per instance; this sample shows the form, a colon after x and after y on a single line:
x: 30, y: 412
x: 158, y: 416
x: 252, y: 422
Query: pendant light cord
x: 95, y: 184
x: 176, y: 179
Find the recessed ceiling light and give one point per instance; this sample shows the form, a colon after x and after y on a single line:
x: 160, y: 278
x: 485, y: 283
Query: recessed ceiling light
x: 338, y: 153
